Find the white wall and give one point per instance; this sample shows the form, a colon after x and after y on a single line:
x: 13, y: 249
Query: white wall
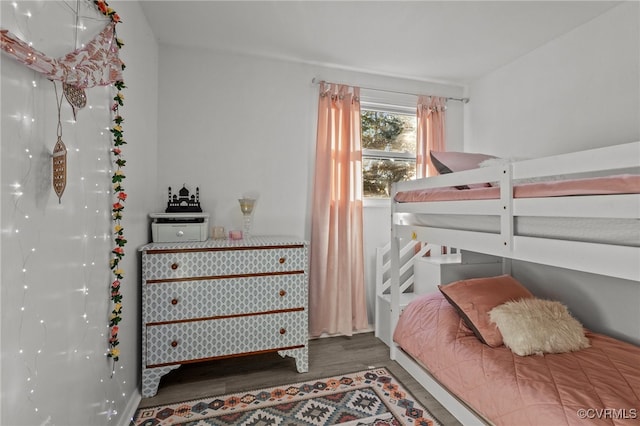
x: 580, y: 91
x: 55, y: 274
x: 602, y: 304
x: 233, y: 124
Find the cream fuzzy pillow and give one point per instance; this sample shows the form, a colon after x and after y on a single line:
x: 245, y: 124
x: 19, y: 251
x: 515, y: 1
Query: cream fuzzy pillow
x: 535, y: 326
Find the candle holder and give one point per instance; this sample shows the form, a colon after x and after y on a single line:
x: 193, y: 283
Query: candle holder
x: 246, y: 206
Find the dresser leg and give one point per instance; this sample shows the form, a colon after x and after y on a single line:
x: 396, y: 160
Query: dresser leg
x: 301, y: 355
x: 151, y: 379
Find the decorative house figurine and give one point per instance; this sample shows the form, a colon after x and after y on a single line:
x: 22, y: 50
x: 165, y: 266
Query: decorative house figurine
x: 183, y: 202
x: 183, y: 220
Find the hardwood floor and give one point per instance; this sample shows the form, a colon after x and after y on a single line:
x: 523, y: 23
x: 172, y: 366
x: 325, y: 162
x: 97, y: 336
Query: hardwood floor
x: 327, y: 357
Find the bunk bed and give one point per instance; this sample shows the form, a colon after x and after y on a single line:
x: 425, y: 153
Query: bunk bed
x: 530, y: 210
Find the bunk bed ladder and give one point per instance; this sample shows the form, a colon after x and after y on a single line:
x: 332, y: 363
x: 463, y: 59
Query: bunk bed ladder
x: 408, y: 255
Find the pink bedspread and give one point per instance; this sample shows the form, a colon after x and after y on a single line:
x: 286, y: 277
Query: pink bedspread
x: 596, y: 386
x: 619, y: 184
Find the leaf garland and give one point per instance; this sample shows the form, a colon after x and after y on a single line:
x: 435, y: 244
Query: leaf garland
x: 117, y: 254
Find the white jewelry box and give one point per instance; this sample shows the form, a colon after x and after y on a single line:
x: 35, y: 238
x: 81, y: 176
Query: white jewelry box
x: 179, y: 227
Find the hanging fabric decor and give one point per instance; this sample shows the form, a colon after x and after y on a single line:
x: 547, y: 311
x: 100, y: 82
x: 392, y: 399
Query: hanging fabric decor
x: 96, y: 64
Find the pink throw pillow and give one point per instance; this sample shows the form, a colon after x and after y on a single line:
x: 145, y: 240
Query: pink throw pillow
x: 451, y: 162
x: 474, y: 298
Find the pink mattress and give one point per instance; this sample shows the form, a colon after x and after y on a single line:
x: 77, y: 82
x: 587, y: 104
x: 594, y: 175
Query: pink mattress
x: 619, y: 184
x: 601, y: 383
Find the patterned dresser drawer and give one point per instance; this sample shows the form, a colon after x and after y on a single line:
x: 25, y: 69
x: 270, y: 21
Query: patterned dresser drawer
x: 220, y: 298
x: 208, y: 263
x: 196, y: 340
x: 172, y: 301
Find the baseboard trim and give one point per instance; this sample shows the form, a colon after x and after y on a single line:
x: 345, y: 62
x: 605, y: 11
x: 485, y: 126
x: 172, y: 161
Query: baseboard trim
x: 130, y: 409
x: 369, y: 329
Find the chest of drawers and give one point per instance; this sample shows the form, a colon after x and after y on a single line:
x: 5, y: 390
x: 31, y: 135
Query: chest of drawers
x: 216, y: 299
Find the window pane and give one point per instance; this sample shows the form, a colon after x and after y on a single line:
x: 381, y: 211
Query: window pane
x: 388, y: 131
x: 379, y: 174
x: 386, y: 135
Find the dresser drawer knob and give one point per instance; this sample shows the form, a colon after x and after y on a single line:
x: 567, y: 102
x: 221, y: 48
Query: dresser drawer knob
x: 174, y: 301
x: 282, y: 293
x: 174, y: 266
x: 174, y: 344
x: 282, y: 260
x: 283, y: 330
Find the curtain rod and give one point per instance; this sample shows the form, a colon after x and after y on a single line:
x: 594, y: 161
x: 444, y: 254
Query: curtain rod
x: 318, y: 81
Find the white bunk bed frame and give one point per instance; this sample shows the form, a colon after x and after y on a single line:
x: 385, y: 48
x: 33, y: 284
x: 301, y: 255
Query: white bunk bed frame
x: 603, y: 259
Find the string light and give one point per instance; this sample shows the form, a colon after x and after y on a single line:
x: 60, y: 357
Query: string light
x: 37, y: 329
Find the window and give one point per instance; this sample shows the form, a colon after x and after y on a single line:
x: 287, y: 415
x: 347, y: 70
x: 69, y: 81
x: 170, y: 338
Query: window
x: 388, y: 149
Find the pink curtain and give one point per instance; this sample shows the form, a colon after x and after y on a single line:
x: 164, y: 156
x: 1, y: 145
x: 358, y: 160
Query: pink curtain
x: 337, y: 303
x: 430, y: 132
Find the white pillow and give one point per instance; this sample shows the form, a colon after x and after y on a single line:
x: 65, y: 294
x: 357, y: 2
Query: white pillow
x: 492, y: 162
x: 498, y: 162
x: 535, y: 326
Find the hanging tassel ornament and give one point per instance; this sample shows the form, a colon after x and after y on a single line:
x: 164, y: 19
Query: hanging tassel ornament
x: 76, y: 97
x: 59, y: 157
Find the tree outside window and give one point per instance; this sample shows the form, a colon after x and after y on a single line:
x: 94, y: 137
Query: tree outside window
x: 389, y: 151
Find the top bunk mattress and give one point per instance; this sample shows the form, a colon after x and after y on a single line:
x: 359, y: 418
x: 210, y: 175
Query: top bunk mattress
x: 604, y: 229
x: 608, y: 185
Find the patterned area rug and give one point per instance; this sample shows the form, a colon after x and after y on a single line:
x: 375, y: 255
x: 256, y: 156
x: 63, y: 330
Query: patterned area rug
x: 373, y: 397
